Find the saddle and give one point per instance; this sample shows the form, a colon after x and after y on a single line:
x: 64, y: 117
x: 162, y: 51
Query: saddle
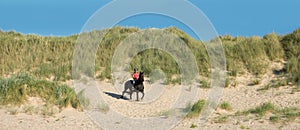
x: 132, y: 82
x: 135, y: 86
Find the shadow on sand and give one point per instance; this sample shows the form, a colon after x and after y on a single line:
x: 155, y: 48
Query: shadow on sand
x: 117, y: 96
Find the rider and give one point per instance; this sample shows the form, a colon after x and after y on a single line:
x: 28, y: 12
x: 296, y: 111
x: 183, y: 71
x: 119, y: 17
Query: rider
x: 135, y: 75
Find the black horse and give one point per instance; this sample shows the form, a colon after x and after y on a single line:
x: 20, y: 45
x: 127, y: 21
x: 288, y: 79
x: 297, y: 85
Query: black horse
x: 137, y: 87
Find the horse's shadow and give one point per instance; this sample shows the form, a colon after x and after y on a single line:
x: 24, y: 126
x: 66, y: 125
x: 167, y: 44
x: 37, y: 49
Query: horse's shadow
x: 116, y: 96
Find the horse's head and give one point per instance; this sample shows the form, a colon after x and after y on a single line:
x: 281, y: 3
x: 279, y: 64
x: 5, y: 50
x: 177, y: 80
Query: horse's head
x: 141, y: 76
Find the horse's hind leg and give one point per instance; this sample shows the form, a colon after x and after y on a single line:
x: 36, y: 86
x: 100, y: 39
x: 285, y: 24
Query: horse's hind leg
x: 123, y: 93
x: 131, y: 94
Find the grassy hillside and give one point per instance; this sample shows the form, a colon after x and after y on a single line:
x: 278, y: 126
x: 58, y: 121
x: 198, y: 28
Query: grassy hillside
x: 50, y: 58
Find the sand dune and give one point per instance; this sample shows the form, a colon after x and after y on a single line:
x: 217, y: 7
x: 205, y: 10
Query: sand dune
x: 241, y: 97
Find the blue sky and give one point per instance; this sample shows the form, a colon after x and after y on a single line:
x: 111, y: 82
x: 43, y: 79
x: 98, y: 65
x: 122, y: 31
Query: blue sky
x: 234, y: 17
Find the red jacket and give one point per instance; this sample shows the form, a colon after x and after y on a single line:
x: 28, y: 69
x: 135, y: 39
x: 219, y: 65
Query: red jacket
x: 135, y: 75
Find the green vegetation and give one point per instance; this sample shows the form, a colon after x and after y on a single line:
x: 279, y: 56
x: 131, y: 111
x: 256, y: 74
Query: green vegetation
x: 263, y: 109
x: 196, y: 109
x: 244, y: 127
x: 193, y: 126
x: 227, y: 82
x: 225, y: 106
x: 51, y: 57
x: 256, y: 81
x: 275, y: 83
x: 274, y: 118
x: 277, y: 114
x: 40, y: 56
x: 293, y: 69
x: 291, y: 46
x: 84, y: 101
x: 204, y: 84
x: 16, y: 89
x: 221, y: 119
x: 48, y: 61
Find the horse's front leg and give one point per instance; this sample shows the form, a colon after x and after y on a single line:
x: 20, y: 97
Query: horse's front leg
x: 143, y: 95
x: 137, y: 95
x: 131, y: 94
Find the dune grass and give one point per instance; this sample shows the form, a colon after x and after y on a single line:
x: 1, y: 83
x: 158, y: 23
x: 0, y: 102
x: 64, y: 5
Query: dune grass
x: 196, y: 109
x: 51, y: 57
x: 275, y: 83
x: 277, y: 114
x: 263, y: 109
x: 16, y: 89
x: 221, y: 119
x: 291, y: 46
x: 225, y: 106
